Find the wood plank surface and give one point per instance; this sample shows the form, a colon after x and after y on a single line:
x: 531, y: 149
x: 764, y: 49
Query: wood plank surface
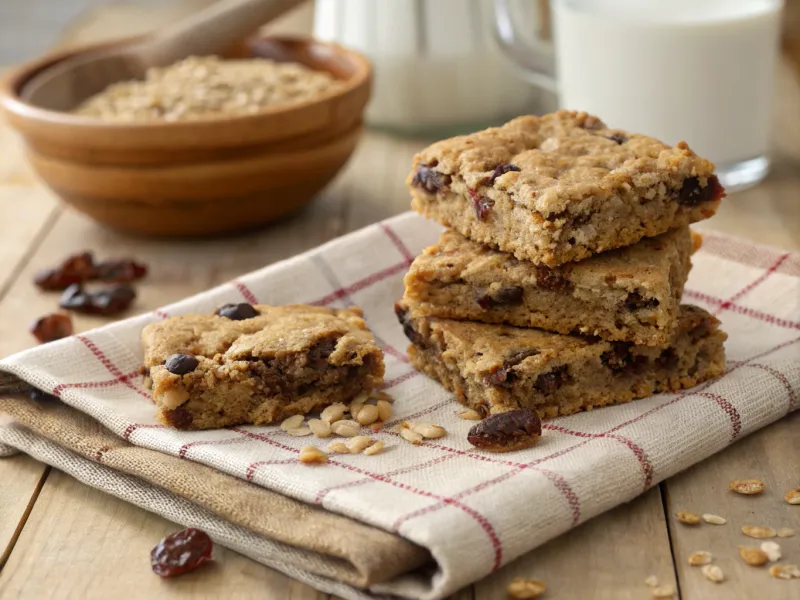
x: 607, y: 558
x: 770, y: 455
x: 81, y: 543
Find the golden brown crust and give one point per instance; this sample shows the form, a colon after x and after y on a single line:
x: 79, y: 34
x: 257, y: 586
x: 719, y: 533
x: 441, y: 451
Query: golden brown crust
x: 629, y: 294
x: 286, y: 360
x: 561, y: 187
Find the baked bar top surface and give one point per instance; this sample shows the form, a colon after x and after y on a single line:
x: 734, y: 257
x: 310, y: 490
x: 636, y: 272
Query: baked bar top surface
x: 559, y: 158
x: 275, y: 331
x: 643, y: 268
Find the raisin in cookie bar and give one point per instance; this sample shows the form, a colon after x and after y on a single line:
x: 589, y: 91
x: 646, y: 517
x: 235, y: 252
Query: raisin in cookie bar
x: 258, y: 364
x: 497, y: 368
x: 629, y: 294
x: 561, y: 187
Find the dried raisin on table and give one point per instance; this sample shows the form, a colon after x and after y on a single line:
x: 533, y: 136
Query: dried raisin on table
x: 181, y: 552
x: 75, y: 269
x: 106, y: 302
x: 508, y: 431
x: 120, y: 271
x: 52, y: 327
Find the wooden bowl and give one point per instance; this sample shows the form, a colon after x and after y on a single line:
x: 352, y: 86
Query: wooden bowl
x: 198, y: 177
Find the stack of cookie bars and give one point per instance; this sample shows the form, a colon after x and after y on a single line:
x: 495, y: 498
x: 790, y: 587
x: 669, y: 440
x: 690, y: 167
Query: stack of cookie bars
x: 557, y: 284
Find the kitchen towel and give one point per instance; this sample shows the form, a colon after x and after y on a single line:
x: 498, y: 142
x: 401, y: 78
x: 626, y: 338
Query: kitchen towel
x: 470, y: 510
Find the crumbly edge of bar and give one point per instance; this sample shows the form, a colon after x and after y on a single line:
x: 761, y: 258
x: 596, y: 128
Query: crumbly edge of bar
x: 694, y: 362
x: 569, y: 308
x: 614, y: 222
x: 249, y: 392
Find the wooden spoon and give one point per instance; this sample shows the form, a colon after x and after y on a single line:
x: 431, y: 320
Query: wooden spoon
x: 210, y: 31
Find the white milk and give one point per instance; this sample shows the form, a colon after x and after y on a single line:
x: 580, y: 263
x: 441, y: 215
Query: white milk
x: 694, y: 70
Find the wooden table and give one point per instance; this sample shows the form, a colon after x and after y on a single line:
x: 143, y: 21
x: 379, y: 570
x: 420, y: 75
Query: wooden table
x: 61, y: 539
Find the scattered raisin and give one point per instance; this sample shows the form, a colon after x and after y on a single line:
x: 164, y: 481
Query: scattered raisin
x: 508, y: 431
x: 181, y: 552
x: 402, y: 316
x: 552, y: 280
x: 691, y: 194
x: 107, y: 302
x: 181, y: 364
x: 481, y: 204
x: 505, y: 376
x: 237, y: 312
x: 52, y: 327
x: 547, y: 383
x: 505, y: 296
x: 80, y: 268
x: 635, y: 301
x: 501, y: 170
x: 619, y: 358
x: 75, y: 269
x: 318, y: 355
x: 429, y: 180
x: 119, y: 271
x: 668, y: 359
x: 179, y: 418
x: 620, y: 138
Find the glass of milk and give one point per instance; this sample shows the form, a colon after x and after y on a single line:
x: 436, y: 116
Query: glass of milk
x: 694, y: 70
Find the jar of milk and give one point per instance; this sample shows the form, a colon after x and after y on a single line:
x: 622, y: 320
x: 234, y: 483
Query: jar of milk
x: 438, y: 70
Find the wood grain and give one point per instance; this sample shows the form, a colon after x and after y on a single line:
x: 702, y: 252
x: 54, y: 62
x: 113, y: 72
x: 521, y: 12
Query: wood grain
x: 607, y: 558
x: 84, y: 544
x: 22, y: 479
x: 770, y: 455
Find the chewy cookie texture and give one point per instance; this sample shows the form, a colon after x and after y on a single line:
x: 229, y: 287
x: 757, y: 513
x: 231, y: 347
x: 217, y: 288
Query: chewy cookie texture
x: 258, y: 364
x: 498, y: 368
x: 561, y: 187
x: 630, y: 294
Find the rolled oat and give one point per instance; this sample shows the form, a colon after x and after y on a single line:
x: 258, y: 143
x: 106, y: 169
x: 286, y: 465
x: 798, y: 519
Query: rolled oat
x: 358, y: 443
x: 375, y: 448
x: 320, y: 428
x: 207, y: 87
x: 651, y: 580
x: 367, y: 415
x: 384, y: 410
x: 714, y: 519
x: 785, y: 532
x: 753, y: 556
x: 338, y: 447
x: 785, y: 571
x: 292, y: 422
x: 411, y: 436
x: 689, y: 518
x: 713, y: 573
x: 427, y: 430
x: 312, y: 455
x: 759, y: 532
x: 772, y: 550
x: 525, y: 589
x: 748, y: 487
x: 345, y: 428
x: 793, y: 496
x: 700, y: 558
x: 299, y: 431
x: 664, y: 591
x: 333, y: 413
x: 470, y: 415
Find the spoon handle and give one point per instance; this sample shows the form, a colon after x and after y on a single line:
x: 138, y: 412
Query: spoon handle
x: 212, y: 30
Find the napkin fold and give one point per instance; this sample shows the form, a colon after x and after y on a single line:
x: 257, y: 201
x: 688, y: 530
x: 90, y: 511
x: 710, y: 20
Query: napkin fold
x: 425, y: 520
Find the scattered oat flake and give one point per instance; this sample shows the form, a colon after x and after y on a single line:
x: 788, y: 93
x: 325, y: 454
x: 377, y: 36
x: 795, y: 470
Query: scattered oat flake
x: 312, y: 455
x: 759, y: 533
x: 714, y: 519
x: 292, y: 422
x: 713, y: 573
x: 785, y: 571
x: 376, y: 448
x: 793, y: 496
x: 299, y: 431
x: 524, y: 589
x: 470, y: 415
x: 652, y: 581
x: 411, y: 436
x: 700, y: 558
x: 338, y: 447
x: 689, y: 518
x: 785, y: 532
x: 753, y: 556
x: 748, y: 487
x: 664, y: 591
x: 772, y: 550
